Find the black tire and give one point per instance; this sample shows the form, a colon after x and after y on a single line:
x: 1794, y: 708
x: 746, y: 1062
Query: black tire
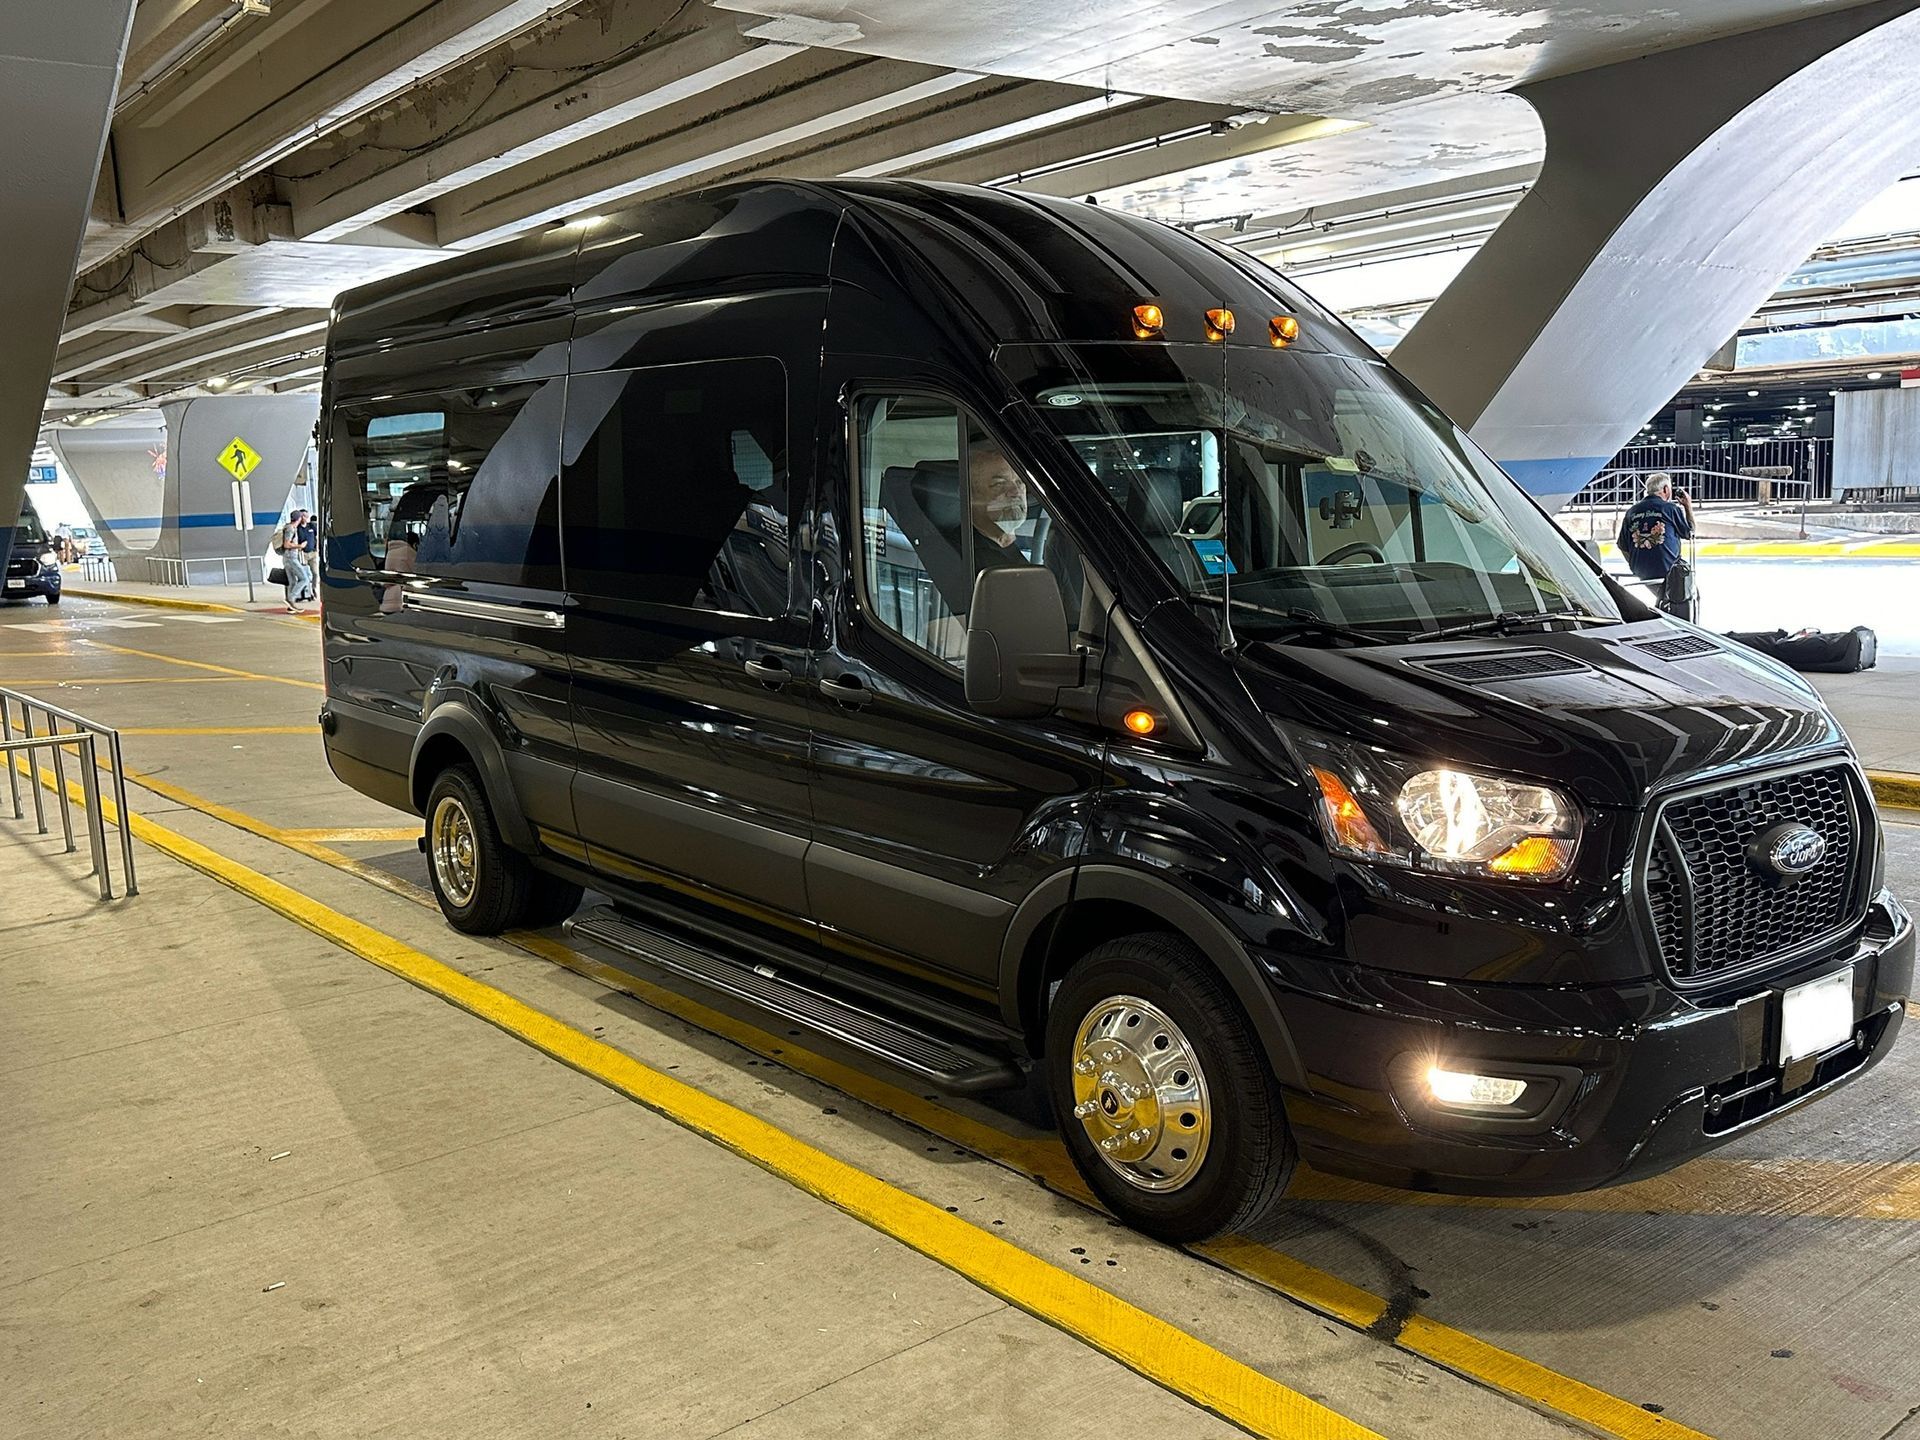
x: 554, y: 899
x: 502, y: 880
x: 54, y: 598
x: 1248, y: 1155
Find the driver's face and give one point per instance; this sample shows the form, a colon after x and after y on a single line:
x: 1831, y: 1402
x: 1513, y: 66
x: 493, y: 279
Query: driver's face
x: 997, y: 495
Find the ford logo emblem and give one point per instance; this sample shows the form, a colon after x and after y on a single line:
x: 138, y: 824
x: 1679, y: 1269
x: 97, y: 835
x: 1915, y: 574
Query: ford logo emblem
x: 1786, y: 852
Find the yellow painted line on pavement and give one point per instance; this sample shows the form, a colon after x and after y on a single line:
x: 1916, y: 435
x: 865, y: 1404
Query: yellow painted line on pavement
x: 1890, y: 788
x: 1452, y: 1349
x: 1136, y: 1338
x: 1042, y: 1158
x: 219, y: 729
x: 82, y: 682
x: 1867, y: 549
x: 353, y: 833
x: 203, y: 665
x: 165, y: 601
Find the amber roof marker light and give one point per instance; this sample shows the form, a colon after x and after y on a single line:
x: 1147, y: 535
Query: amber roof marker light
x: 1282, y: 331
x: 1148, y: 322
x: 1219, y: 325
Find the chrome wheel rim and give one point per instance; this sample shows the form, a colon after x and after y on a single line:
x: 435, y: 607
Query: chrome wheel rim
x: 452, y: 848
x: 1140, y: 1095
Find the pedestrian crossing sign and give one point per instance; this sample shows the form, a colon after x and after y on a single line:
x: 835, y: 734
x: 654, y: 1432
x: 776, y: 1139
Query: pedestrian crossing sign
x: 239, y: 459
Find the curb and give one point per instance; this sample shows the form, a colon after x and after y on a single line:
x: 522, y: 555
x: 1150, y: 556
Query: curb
x: 1890, y: 789
x: 165, y: 602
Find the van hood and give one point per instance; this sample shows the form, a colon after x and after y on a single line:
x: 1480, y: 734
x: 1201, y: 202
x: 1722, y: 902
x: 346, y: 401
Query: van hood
x: 1608, y: 713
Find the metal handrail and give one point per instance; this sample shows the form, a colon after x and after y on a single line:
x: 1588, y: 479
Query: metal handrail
x: 85, y: 737
x: 173, y: 570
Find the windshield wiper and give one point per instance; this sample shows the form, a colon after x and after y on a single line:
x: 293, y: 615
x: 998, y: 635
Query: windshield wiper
x: 1503, y: 623
x: 1307, y: 622
x: 1304, y: 622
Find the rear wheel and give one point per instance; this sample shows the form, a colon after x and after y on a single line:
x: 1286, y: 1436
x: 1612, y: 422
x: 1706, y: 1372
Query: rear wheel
x: 1162, y: 1092
x: 483, y: 885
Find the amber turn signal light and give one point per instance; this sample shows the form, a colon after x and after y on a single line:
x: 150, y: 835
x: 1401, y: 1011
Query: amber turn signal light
x: 1282, y: 331
x: 1349, y: 822
x: 1148, y: 322
x: 1539, y: 856
x: 1140, y: 722
x: 1219, y: 325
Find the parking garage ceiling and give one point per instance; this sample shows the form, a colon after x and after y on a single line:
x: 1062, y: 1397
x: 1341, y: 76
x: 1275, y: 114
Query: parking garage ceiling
x: 265, y: 155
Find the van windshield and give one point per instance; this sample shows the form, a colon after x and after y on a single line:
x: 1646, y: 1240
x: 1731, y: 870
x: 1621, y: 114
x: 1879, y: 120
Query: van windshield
x: 1295, y: 488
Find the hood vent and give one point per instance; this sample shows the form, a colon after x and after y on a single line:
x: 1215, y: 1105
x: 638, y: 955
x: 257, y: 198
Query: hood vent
x: 1507, y: 665
x: 1677, y: 647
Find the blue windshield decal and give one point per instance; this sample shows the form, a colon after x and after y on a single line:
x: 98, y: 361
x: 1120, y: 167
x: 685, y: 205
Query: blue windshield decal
x: 1212, y: 555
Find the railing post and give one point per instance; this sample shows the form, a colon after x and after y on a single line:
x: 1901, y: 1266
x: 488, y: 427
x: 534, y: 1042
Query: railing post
x: 33, y: 773
x: 120, y: 809
x: 96, y: 823
x: 13, y: 774
x: 60, y: 783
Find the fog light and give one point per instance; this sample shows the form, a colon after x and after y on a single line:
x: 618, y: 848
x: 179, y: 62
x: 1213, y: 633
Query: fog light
x: 1458, y: 1087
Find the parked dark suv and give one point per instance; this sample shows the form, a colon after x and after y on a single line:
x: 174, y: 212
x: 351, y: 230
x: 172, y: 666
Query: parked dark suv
x: 32, y: 567
x: 990, y: 632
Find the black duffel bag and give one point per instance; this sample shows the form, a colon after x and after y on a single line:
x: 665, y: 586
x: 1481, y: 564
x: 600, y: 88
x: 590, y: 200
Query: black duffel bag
x: 1823, y: 652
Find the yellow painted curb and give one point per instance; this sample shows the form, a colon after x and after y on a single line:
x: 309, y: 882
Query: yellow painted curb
x: 166, y: 602
x: 1141, y: 1341
x: 1893, y: 789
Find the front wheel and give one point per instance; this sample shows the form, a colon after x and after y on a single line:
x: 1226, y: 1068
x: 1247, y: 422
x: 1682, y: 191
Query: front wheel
x: 54, y: 598
x: 1162, y: 1092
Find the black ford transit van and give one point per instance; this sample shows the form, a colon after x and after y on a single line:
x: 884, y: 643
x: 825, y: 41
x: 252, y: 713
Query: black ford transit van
x: 994, y: 633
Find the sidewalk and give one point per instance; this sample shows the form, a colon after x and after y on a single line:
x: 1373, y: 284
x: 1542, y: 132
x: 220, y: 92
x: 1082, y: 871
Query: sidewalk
x: 267, y: 599
x: 259, y: 1185
x: 1880, y: 709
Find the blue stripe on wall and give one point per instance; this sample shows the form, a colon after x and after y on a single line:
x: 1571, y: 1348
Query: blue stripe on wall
x: 217, y: 519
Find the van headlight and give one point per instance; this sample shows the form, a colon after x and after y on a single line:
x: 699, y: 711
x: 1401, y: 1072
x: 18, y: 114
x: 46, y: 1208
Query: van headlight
x: 1382, y: 807
x: 49, y: 560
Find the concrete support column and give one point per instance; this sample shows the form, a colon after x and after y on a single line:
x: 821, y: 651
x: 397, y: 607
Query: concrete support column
x: 1678, y: 189
x: 59, y: 72
x: 120, y: 474
x: 264, y: 436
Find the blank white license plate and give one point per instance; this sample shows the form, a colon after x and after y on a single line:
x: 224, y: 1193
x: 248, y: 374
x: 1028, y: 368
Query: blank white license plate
x: 16, y: 584
x: 1816, y: 1016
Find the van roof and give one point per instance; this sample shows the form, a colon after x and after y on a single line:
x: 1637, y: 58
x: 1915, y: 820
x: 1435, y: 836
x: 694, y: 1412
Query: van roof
x: 1031, y: 268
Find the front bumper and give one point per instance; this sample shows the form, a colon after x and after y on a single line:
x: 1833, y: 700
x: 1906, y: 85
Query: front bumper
x: 1646, y: 1077
x: 39, y: 584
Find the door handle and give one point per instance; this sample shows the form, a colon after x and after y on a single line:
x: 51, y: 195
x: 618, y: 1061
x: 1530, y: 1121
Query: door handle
x: 846, y: 690
x: 770, y: 672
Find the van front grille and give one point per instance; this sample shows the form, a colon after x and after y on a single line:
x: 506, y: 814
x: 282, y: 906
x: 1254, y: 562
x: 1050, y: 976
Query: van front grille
x: 1716, y: 909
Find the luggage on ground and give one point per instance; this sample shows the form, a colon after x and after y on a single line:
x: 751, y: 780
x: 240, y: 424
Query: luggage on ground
x: 1822, y: 652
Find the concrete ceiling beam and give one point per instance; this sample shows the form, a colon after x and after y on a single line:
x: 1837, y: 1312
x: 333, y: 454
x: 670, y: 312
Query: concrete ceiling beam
x: 1231, y: 141
x: 956, y: 125
x: 610, y: 64
x: 675, y: 149
x: 266, y: 88
x: 105, y: 295
x: 165, y: 326
x: 1075, y: 143
x: 211, y: 354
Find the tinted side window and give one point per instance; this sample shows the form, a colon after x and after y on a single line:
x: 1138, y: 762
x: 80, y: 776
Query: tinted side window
x: 462, y: 484
x: 676, y: 485
x: 940, y: 501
